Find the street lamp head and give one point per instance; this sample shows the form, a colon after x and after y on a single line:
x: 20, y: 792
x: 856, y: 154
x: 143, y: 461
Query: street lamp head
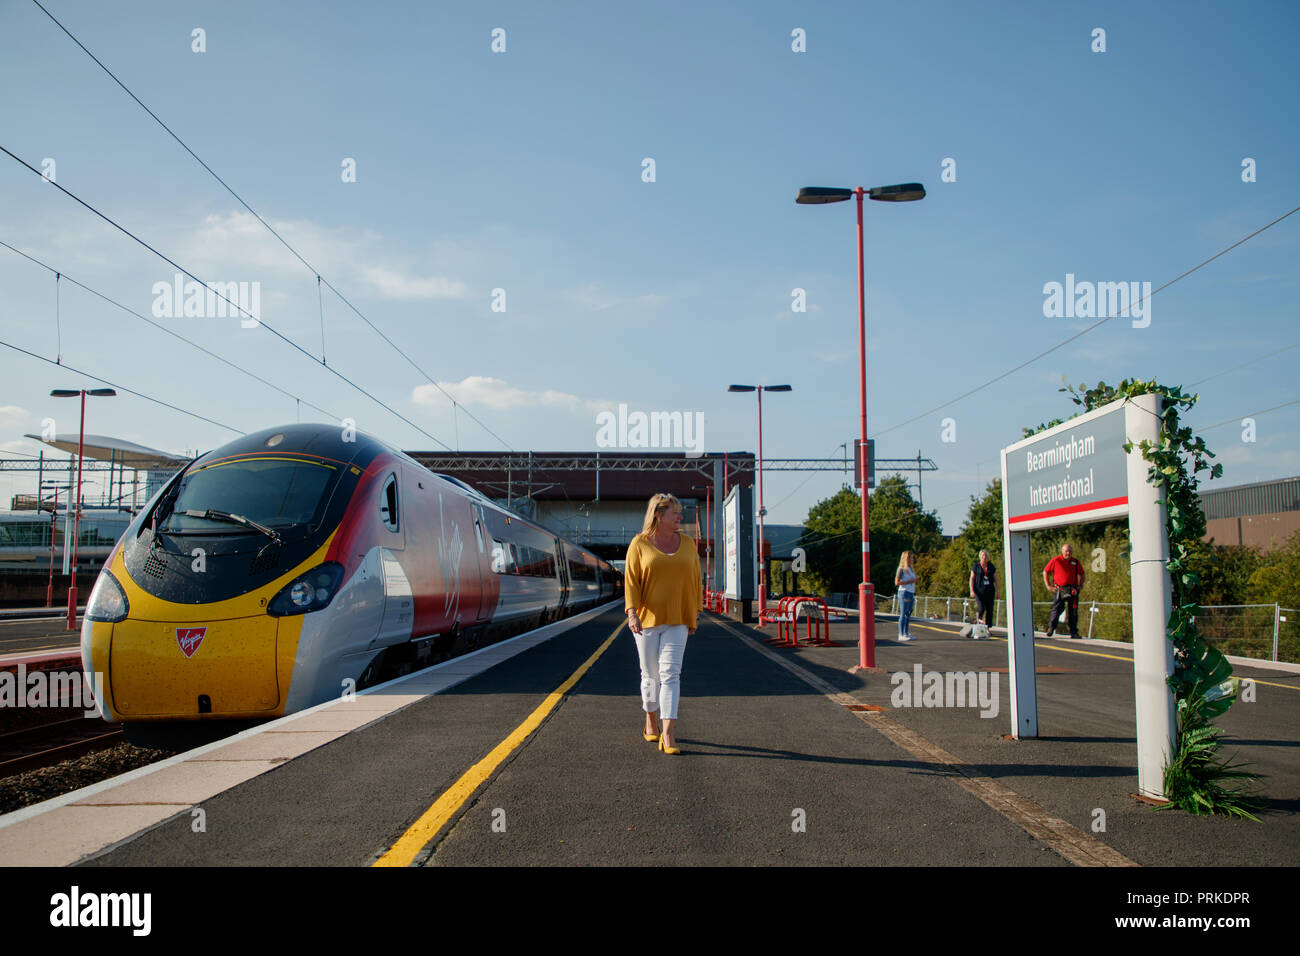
x: 102, y: 392
x: 904, y: 192
x: 741, y: 388
x: 820, y: 195
x: 74, y: 392
x: 64, y: 393
x: 778, y: 388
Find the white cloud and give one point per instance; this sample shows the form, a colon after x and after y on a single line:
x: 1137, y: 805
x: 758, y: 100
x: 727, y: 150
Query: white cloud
x: 488, y: 392
x: 391, y: 284
x: 595, y: 298
x: 832, y: 356
x: 236, y: 247
x: 13, y: 416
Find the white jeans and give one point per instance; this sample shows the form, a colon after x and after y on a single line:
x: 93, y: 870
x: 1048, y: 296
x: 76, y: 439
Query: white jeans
x: 661, y: 650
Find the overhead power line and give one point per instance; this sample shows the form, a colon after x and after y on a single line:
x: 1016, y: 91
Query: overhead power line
x: 240, y: 199
x: 261, y: 323
x: 1258, y: 358
x: 1079, y: 335
x: 164, y: 328
x: 148, y: 398
x: 1237, y: 419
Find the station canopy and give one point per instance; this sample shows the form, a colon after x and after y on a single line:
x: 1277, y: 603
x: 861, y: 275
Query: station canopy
x: 119, y: 450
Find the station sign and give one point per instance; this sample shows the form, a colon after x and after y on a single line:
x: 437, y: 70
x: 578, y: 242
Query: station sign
x: 740, y: 567
x: 1074, y: 472
x: 857, y: 463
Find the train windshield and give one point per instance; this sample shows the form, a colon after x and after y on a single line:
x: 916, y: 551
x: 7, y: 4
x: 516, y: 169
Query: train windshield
x: 275, y: 492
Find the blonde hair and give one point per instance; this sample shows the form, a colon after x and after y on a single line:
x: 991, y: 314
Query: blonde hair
x: 905, y: 561
x: 658, y: 505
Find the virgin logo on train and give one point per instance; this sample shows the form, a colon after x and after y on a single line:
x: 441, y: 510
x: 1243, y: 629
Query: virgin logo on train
x: 189, y: 639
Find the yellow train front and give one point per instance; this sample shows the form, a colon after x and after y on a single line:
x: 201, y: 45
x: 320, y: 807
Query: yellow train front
x: 296, y: 564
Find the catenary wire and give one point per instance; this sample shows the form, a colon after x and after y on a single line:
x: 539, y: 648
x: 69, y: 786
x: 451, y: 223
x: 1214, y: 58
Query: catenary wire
x: 273, y: 232
x: 164, y: 328
x: 1084, y: 332
x: 261, y: 323
x: 156, y: 401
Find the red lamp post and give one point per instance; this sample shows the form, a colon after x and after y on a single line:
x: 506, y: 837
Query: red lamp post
x: 819, y: 195
x: 76, y: 501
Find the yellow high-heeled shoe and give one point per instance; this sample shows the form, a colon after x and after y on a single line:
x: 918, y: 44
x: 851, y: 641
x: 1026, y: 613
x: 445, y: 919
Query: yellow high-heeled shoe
x: 668, y: 750
x: 650, y: 737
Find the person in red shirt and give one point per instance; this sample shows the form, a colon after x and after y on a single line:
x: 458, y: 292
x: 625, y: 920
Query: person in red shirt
x: 1064, y: 573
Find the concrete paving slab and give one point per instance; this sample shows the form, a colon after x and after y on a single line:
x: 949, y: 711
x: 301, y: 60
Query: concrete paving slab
x: 187, y: 783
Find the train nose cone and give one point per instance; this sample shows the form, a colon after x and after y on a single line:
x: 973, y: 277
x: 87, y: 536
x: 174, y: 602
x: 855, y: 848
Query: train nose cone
x: 164, y: 669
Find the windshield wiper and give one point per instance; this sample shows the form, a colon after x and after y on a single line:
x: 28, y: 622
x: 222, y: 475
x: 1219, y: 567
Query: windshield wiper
x: 215, y: 515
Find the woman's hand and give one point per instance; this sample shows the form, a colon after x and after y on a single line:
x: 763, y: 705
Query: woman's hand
x: 690, y: 631
x: 633, y: 621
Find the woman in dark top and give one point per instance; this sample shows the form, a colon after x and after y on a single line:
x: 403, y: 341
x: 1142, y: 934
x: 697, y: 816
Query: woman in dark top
x: 984, y: 588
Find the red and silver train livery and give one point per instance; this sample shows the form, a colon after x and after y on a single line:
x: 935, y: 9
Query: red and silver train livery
x: 286, y: 567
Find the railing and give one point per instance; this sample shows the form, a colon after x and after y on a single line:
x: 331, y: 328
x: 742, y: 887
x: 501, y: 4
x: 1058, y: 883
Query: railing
x: 1262, y: 631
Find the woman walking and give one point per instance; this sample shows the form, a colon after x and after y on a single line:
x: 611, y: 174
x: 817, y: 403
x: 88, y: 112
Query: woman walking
x: 663, y: 598
x: 905, y: 581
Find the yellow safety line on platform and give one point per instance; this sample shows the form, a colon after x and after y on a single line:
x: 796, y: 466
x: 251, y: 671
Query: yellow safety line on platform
x: 1113, y: 657
x: 415, y: 839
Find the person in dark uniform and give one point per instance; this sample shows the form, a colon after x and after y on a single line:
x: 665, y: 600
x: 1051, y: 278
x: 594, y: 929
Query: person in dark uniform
x: 1064, y: 573
x: 984, y: 588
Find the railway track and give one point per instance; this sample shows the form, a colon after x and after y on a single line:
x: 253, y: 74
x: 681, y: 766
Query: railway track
x: 32, y: 748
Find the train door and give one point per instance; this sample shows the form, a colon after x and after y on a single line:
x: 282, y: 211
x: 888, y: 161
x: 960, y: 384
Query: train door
x: 482, y: 610
x: 562, y: 563
x: 399, y: 600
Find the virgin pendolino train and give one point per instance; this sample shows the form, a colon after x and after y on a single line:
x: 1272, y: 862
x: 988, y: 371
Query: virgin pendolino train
x: 280, y: 570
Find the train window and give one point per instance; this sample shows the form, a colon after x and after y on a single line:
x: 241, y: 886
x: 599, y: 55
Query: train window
x: 502, y: 563
x: 388, y: 503
x: 478, y: 529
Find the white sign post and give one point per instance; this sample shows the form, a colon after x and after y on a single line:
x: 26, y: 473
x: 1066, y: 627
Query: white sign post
x: 1079, y: 472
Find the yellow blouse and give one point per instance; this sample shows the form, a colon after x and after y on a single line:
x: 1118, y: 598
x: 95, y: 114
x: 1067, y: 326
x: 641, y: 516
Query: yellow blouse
x: 665, y: 589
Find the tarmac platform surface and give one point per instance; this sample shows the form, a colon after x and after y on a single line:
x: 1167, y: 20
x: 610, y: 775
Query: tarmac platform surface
x: 22, y: 637
x: 782, y: 764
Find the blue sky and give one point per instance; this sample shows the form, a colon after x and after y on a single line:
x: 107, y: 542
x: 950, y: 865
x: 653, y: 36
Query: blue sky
x: 523, y: 171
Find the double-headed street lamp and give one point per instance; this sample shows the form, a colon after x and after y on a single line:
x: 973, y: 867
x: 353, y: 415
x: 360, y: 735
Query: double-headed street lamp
x: 819, y: 195
x: 762, y: 562
x: 76, y: 501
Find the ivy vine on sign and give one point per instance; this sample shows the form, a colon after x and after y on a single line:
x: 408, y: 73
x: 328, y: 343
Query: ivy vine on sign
x: 1196, y: 779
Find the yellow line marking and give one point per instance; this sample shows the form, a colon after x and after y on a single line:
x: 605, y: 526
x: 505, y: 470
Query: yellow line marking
x: 415, y: 839
x: 1113, y: 657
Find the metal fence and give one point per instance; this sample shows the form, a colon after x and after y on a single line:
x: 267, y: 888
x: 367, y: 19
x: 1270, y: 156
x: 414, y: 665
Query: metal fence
x: 1263, y: 631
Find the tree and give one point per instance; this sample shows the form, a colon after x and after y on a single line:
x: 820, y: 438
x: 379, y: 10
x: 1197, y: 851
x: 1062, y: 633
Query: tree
x: 983, y: 527
x: 1277, y: 580
x: 898, y: 524
x: 831, y: 539
x: 833, y: 536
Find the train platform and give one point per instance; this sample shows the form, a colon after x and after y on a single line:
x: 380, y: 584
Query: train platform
x: 530, y: 753
x: 41, y: 637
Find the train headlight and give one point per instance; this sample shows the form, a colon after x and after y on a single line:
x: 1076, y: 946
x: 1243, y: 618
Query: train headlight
x: 309, y: 592
x: 107, y: 600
